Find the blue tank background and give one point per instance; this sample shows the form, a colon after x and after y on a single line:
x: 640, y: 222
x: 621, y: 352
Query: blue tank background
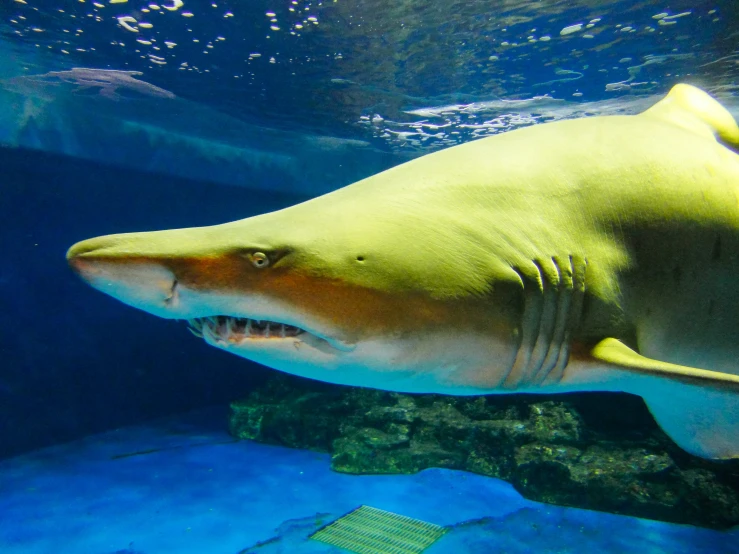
x: 74, y: 361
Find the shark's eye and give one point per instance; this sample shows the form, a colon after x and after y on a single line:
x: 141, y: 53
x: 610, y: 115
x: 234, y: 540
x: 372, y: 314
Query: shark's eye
x: 259, y: 259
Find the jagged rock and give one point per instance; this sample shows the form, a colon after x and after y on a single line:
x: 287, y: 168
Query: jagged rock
x: 598, y: 451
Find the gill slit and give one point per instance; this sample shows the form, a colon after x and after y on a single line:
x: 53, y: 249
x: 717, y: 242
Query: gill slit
x: 554, y: 290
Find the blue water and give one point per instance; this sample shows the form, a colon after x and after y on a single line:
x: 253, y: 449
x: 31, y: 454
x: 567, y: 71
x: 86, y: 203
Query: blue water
x: 136, y: 116
x: 358, y: 87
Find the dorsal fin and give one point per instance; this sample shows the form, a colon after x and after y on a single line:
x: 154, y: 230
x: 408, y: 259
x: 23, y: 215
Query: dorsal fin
x: 691, y: 108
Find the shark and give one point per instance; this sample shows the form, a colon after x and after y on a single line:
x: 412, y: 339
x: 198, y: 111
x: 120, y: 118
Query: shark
x: 591, y: 254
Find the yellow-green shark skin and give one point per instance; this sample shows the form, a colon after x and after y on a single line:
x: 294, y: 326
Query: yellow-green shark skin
x: 590, y: 254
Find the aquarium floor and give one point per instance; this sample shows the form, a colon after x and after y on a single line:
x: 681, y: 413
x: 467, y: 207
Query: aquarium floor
x: 182, y: 485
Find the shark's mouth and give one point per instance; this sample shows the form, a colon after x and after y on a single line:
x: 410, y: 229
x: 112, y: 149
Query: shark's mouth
x: 237, y: 330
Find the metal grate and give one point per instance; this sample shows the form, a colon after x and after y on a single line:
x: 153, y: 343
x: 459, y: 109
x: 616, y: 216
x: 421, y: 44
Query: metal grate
x: 368, y: 530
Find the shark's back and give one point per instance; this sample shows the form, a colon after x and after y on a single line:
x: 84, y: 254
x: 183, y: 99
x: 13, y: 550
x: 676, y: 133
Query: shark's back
x: 646, y: 208
x: 650, y: 201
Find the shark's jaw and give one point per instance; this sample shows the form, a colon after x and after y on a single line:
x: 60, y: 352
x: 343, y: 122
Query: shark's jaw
x: 239, y: 330
x: 419, y: 364
x: 246, y: 336
x: 298, y: 349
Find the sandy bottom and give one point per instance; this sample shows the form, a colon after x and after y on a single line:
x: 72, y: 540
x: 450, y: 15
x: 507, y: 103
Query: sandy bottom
x: 183, y: 485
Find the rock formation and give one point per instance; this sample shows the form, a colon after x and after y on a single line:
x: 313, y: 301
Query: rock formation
x: 597, y: 451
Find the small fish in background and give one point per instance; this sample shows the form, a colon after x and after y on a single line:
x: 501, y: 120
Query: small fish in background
x: 112, y: 84
x: 594, y: 254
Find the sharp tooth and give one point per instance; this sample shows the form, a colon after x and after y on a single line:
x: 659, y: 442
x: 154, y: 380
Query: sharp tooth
x: 196, y: 324
x: 230, y: 325
x: 208, y: 331
x: 194, y: 332
x: 266, y: 332
x: 247, y: 331
x: 282, y: 330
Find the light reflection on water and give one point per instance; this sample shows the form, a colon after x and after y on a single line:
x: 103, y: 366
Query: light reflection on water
x: 401, y: 78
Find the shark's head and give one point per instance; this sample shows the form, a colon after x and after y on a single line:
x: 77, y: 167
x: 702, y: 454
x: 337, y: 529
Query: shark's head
x: 328, y: 289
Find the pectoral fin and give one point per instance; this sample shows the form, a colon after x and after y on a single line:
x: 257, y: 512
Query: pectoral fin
x: 614, y: 352
x: 697, y: 408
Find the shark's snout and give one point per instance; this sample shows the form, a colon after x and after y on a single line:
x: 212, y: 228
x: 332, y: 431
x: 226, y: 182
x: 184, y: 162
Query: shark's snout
x: 80, y: 256
x: 147, y: 284
x: 85, y: 247
x: 85, y: 254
